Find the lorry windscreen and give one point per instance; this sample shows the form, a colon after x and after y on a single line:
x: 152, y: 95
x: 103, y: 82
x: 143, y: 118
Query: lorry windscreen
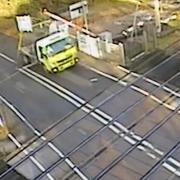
x: 58, y: 46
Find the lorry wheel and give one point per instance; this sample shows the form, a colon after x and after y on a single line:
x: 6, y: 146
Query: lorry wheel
x: 26, y: 60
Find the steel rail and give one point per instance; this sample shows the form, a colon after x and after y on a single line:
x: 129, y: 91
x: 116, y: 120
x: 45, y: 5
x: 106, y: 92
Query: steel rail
x: 161, y: 161
x: 38, y: 134
x: 148, y: 134
x: 130, y: 127
x: 32, y: 159
x: 119, y: 136
x: 137, y: 79
x: 174, y: 174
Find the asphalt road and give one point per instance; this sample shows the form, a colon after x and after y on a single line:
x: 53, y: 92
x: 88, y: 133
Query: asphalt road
x: 81, y: 81
x: 163, y: 73
x: 86, y: 145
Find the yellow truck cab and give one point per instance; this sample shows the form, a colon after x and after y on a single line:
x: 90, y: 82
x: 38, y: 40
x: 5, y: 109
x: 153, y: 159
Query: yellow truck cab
x: 56, y: 52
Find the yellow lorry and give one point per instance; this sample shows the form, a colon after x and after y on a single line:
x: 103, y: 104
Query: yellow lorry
x: 56, y: 51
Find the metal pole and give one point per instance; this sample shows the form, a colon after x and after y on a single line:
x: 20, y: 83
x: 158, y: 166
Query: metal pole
x: 157, y: 16
x: 155, y: 42
x: 85, y: 16
x: 134, y: 31
x: 145, y: 41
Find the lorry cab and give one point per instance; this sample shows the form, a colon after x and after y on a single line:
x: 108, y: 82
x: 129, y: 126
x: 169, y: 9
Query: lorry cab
x: 56, y: 51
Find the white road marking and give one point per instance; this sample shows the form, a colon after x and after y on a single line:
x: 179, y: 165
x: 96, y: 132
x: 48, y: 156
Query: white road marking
x: 69, y: 162
x: 112, y: 77
x: 130, y: 140
x: 120, y: 126
x: 103, y: 74
x: 52, y: 146
x: 137, y: 56
x: 171, y: 107
x: 17, y: 113
x: 158, y: 151
x: 58, y: 90
x: 152, y: 155
x: 124, y: 69
x: 68, y: 98
x: 172, y: 160
x: 80, y: 174
x: 7, y: 58
x: 138, y: 89
x: 171, y: 168
x: 14, y: 140
x: 123, y: 83
x: 33, y: 159
x: 56, y: 149
x: 114, y: 129
x: 90, y: 106
x: 149, y: 81
x: 142, y: 148
x: 94, y: 79
x: 146, y: 93
x: 74, y: 96
x: 102, y: 120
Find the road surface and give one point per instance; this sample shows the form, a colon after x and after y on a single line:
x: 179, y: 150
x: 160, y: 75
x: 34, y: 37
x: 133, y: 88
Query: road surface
x: 86, y: 125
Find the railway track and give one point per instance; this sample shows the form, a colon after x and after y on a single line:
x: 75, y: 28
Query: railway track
x: 102, y: 117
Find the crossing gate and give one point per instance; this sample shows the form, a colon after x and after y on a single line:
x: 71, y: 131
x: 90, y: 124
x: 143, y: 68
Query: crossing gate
x: 101, y: 49
x: 89, y: 45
